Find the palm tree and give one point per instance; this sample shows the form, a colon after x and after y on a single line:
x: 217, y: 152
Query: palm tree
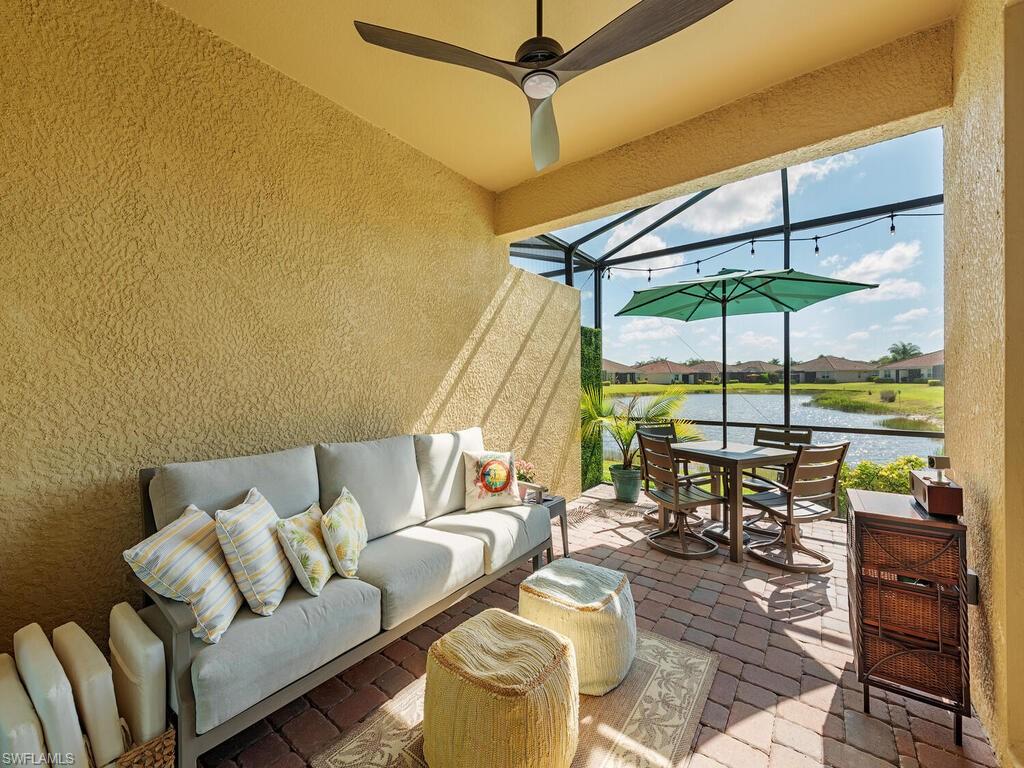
x: 601, y: 413
x: 903, y: 350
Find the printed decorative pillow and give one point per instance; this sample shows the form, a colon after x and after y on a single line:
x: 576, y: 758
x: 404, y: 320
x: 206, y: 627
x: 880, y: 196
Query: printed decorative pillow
x: 490, y: 480
x: 344, y: 530
x: 183, y: 561
x: 248, y: 536
x: 303, y: 544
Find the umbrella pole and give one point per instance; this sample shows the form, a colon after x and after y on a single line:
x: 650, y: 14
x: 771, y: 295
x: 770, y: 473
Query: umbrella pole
x: 725, y: 384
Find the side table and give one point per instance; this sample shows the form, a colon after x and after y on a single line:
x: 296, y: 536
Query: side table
x: 556, y: 506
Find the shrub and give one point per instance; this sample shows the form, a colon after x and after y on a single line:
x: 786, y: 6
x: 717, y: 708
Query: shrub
x: 893, y: 477
x: 934, y: 383
x: 888, y: 395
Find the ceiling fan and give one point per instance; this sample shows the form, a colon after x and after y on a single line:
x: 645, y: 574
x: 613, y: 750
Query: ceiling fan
x: 541, y: 65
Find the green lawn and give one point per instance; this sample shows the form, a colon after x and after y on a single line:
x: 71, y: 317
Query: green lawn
x: 861, y: 397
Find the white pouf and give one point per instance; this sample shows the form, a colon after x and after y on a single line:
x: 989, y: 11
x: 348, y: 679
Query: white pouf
x: 93, y: 685
x: 593, y: 607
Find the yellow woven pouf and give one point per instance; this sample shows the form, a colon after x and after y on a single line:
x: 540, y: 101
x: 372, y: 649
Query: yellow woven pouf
x: 502, y: 693
x: 593, y: 607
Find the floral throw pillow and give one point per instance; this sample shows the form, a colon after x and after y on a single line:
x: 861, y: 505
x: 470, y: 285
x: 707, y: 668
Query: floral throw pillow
x: 303, y: 544
x: 344, y: 530
x: 490, y: 480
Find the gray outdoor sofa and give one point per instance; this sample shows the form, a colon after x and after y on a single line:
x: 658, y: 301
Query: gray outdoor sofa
x: 425, y: 553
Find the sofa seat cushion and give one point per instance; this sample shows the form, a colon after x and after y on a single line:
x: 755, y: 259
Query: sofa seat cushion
x: 380, y: 474
x: 507, y: 533
x: 259, y: 655
x: 287, y: 478
x: 415, y: 567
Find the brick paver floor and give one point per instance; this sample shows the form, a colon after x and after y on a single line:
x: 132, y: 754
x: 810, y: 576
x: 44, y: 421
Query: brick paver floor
x: 785, y: 694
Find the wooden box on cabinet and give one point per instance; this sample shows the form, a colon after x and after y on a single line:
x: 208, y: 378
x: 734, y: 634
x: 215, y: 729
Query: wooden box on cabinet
x: 908, y: 608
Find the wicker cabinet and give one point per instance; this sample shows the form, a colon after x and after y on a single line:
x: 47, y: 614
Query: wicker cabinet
x: 908, y: 584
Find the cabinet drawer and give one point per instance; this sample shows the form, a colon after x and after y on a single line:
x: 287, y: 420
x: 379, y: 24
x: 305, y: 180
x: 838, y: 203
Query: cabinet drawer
x: 912, y: 609
x: 917, y: 554
x: 925, y: 670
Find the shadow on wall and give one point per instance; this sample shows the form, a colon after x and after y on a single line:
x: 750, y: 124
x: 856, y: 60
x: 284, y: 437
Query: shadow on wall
x: 517, y: 377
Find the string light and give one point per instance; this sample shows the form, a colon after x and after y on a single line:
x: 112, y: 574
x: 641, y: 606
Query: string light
x: 753, y: 252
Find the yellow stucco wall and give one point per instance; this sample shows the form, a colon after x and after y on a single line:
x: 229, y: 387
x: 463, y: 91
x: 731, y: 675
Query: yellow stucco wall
x: 983, y: 361
x: 890, y: 91
x: 201, y: 258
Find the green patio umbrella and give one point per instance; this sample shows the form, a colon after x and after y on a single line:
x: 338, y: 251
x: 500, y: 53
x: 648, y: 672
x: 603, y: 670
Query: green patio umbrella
x: 737, y: 292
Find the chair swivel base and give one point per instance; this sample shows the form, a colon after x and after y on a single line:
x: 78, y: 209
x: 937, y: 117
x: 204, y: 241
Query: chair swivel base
x: 682, y: 542
x: 717, y: 532
x: 788, y: 552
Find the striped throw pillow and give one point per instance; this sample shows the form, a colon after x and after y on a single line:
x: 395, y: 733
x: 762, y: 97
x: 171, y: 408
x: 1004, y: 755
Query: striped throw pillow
x: 303, y: 544
x: 248, y: 536
x: 184, y: 562
x: 344, y: 529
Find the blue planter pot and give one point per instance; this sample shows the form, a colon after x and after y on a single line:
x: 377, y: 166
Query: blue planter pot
x: 626, y: 483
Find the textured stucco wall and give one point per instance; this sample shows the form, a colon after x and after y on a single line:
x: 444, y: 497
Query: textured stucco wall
x: 201, y: 258
x: 982, y: 391
x: 890, y: 91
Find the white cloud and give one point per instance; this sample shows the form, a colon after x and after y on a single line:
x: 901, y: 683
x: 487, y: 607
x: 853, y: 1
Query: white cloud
x: 897, y: 288
x: 647, y: 243
x: 875, y: 327
x: 641, y: 329
x: 912, y: 314
x: 936, y: 334
x: 751, y: 339
x: 872, y: 267
x: 834, y: 260
x: 735, y: 206
x: 858, y: 336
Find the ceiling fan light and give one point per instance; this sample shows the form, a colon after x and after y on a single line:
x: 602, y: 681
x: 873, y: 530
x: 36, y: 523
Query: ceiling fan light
x: 540, y: 85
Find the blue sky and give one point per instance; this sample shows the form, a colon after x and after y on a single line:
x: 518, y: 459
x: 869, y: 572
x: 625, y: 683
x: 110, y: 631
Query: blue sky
x: 907, y: 265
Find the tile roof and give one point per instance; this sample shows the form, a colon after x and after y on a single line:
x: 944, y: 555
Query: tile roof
x: 611, y: 365
x: 755, y: 366
x: 833, y: 363
x: 664, y: 366
x: 921, y: 361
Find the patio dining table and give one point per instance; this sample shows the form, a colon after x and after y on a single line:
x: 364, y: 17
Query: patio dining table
x: 733, y: 458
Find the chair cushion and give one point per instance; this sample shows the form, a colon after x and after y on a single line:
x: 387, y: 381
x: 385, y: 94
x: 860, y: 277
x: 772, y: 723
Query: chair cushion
x: 381, y: 474
x: 287, y: 478
x: 416, y: 567
x: 507, y: 533
x: 775, y: 502
x: 442, y: 471
x: 20, y: 729
x: 259, y: 655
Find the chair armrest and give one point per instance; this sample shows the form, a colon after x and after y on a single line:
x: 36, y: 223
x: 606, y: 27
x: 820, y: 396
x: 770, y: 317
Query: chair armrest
x: 179, y: 617
x: 784, y: 488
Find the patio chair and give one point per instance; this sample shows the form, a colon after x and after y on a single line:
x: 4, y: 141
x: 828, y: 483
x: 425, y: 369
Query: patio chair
x: 663, y: 430
x: 774, y: 437
x: 678, y: 496
x: 808, y: 493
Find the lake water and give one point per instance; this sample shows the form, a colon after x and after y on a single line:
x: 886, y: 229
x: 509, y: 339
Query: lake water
x: 768, y: 409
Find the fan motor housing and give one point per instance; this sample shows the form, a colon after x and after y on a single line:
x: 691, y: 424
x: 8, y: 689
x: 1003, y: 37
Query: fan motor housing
x: 537, y: 50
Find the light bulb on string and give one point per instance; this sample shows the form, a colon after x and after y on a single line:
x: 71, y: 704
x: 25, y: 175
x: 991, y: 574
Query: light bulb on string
x: 892, y: 224
x: 751, y: 247
x: 698, y: 267
x: 817, y: 250
x: 648, y: 275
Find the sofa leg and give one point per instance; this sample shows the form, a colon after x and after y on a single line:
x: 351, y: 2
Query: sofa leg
x: 536, y: 562
x: 186, y: 756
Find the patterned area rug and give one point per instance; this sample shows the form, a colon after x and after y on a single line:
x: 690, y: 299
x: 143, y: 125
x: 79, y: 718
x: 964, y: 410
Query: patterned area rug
x: 647, y: 722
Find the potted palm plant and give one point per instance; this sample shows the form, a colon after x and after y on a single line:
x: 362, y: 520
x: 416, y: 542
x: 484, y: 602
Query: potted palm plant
x: 601, y: 413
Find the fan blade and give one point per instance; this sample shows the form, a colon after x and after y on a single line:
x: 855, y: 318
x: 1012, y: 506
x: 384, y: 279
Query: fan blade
x: 427, y: 48
x: 543, y: 133
x: 644, y: 24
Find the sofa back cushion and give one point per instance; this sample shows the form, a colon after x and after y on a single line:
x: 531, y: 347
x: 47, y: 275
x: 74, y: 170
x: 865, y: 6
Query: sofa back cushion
x: 442, y: 470
x: 382, y: 476
x: 287, y: 479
